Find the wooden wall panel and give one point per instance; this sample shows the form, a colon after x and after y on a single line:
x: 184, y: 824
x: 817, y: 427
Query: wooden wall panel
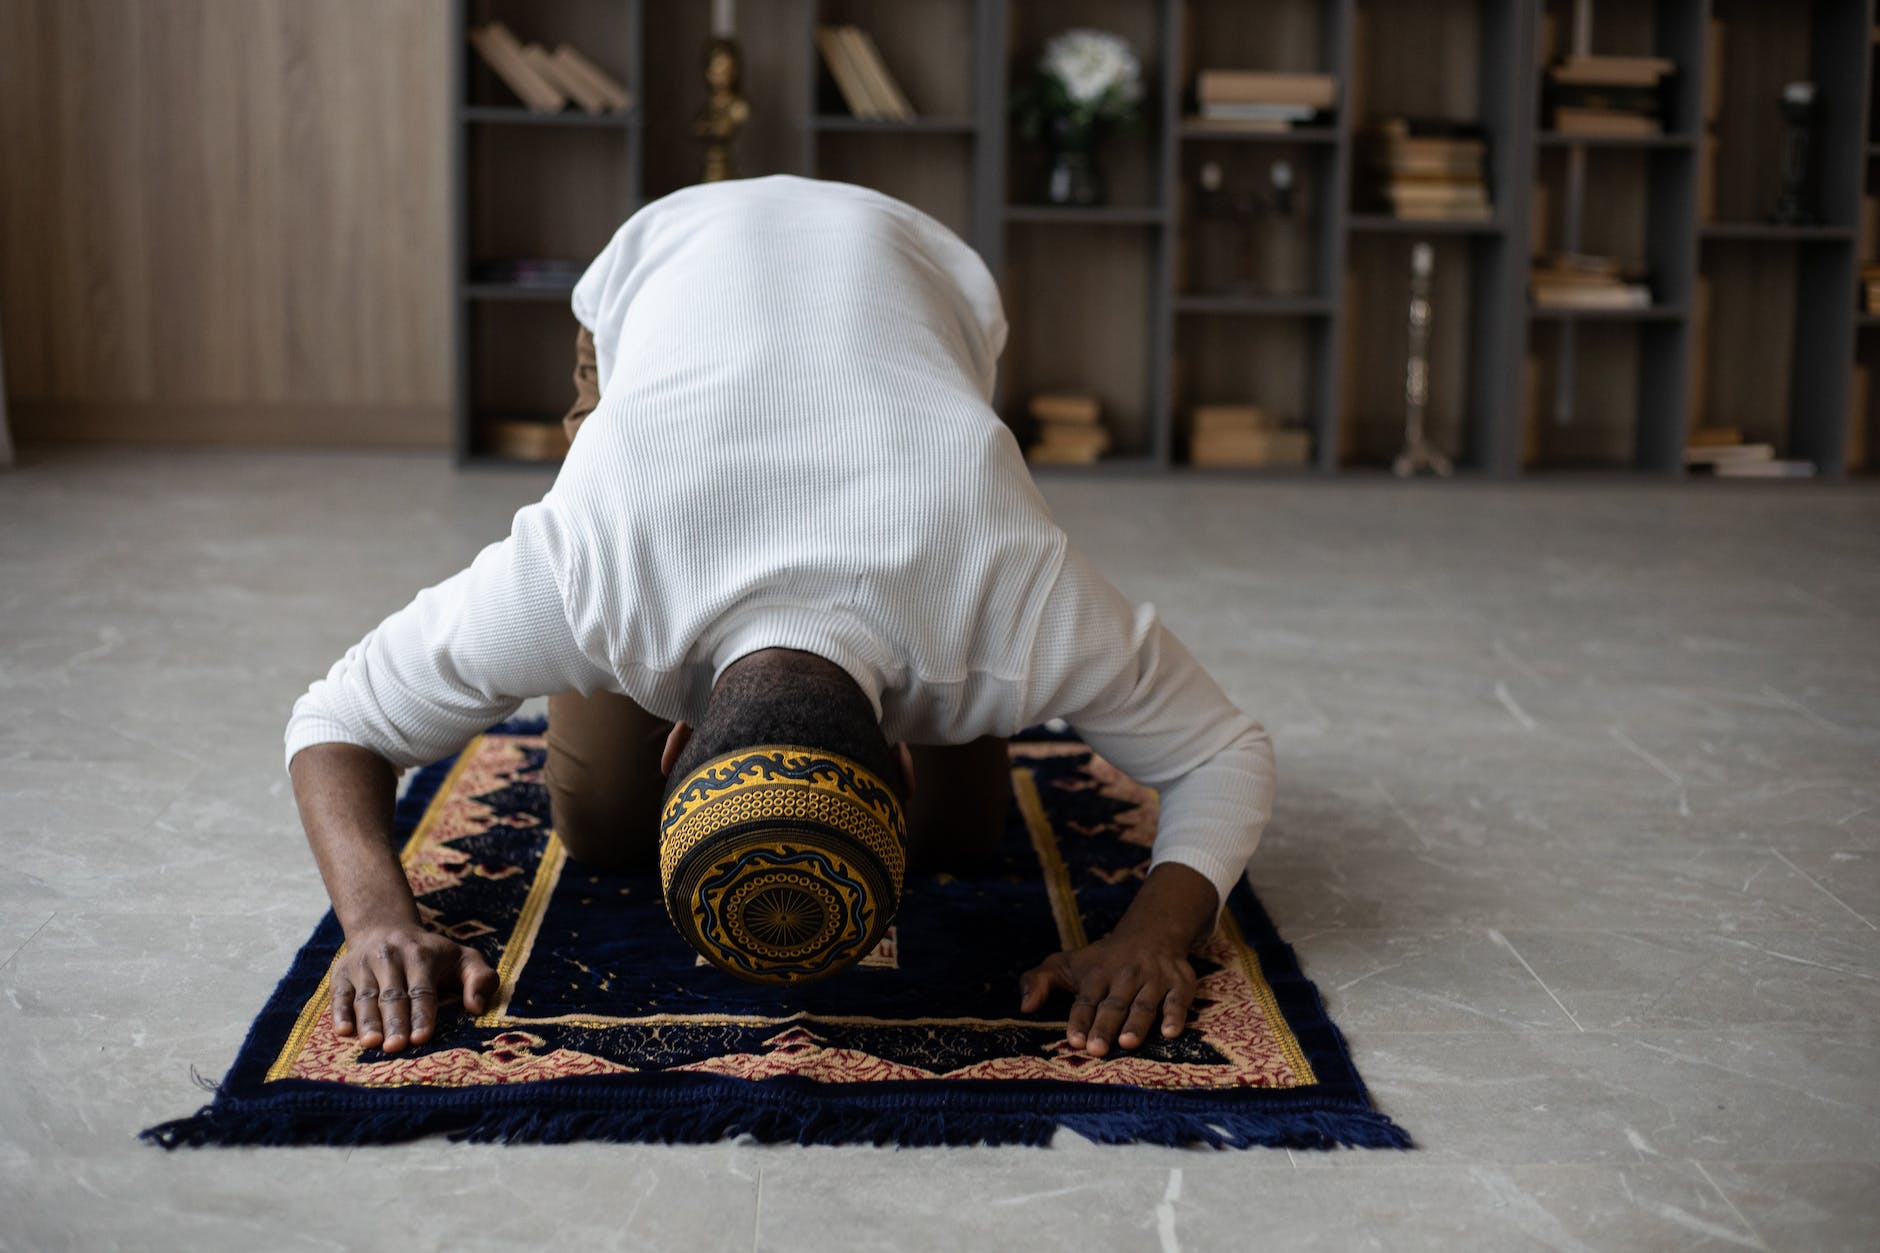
x: 226, y: 221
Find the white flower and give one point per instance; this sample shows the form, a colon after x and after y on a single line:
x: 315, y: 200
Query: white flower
x: 1092, y: 64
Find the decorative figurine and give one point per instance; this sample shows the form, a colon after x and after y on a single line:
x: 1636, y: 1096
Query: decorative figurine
x: 1417, y: 453
x: 1795, y: 205
x: 725, y: 111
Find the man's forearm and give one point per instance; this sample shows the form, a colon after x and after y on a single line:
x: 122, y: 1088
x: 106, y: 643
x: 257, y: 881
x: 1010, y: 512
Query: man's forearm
x: 346, y: 795
x: 1176, y: 904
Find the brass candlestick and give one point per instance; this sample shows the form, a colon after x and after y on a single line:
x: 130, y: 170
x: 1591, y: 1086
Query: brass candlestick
x: 725, y: 111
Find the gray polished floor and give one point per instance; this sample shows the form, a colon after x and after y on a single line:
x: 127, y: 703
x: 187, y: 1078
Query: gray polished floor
x: 1579, y: 833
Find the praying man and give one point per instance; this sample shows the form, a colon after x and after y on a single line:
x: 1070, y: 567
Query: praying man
x: 789, y: 522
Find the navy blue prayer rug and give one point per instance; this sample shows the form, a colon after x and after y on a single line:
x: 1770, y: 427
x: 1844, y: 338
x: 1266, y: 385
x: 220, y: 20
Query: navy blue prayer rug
x: 608, y: 1027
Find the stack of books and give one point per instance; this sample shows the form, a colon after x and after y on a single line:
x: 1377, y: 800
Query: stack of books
x: 1428, y: 170
x: 1244, y: 435
x: 1870, y: 286
x: 547, y: 82
x: 1069, y: 427
x: 1580, y: 281
x: 519, y: 438
x: 1721, y: 451
x: 1621, y: 96
x: 1249, y: 100
x: 861, y: 76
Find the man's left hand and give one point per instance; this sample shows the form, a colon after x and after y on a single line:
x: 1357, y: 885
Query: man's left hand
x: 1120, y: 985
x: 1138, y: 973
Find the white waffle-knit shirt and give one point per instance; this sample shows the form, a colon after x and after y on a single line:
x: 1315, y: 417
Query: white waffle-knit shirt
x: 794, y: 448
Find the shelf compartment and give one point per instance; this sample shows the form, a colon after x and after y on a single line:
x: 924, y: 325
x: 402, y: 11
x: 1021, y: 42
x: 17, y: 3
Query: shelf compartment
x: 929, y: 168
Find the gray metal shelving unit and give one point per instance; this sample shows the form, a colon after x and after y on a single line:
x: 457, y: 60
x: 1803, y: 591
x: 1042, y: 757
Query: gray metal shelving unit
x: 1139, y: 238
x: 479, y: 107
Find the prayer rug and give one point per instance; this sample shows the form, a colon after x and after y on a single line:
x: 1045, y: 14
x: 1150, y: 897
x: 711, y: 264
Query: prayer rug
x: 608, y: 1027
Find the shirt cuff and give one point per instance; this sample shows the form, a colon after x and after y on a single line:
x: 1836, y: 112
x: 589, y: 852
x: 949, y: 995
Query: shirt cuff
x: 306, y: 730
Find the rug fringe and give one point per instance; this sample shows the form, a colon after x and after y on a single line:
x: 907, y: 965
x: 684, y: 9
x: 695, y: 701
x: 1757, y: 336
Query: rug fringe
x: 782, y: 1124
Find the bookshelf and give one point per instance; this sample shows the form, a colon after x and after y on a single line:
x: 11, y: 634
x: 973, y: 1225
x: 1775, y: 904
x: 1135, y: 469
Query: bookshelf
x: 1751, y: 323
x: 515, y: 341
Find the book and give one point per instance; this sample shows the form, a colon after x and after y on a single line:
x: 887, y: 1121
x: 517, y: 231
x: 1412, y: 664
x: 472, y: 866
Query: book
x: 1276, y: 447
x: 1310, y: 91
x: 1073, y: 407
x: 1771, y: 468
x: 1258, y: 112
x: 1615, y: 296
x: 1215, y: 419
x: 1608, y: 122
x: 1717, y: 454
x: 1040, y: 454
x: 1713, y: 437
x: 503, y: 53
x: 1647, y: 100
x: 885, y: 92
x: 1240, y: 125
x: 617, y: 98
x: 551, y: 72
x: 839, y: 58
x: 527, y: 439
x: 1612, y: 71
x: 1072, y: 442
x: 1427, y: 169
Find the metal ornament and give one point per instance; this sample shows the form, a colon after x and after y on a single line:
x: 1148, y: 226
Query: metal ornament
x: 1417, y: 453
x: 725, y: 111
x: 1794, y: 206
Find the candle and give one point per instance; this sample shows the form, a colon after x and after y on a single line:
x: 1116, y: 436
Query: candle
x: 724, y: 18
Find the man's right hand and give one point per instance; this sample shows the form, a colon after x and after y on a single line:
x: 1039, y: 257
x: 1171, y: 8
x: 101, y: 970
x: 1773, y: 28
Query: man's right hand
x: 388, y: 984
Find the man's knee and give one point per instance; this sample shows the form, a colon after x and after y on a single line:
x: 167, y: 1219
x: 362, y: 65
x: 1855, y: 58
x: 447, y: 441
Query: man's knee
x: 608, y: 833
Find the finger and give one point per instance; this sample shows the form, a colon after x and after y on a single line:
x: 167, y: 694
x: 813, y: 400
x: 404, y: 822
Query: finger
x: 343, y: 1023
x: 1037, y: 984
x: 1083, y: 1012
x: 1175, y: 1007
x: 366, y: 1008
x: 421, y: 996
x: 1110, y: 1012
x: 479, y: 982
x: 394, y: 1008
x: 1142, y: 1014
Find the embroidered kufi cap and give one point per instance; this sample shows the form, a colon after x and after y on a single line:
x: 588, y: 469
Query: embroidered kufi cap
x: 782, y: 864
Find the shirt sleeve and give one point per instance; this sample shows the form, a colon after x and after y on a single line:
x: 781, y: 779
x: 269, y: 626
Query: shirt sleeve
x: 459, y: 657
x: 1141, y: 700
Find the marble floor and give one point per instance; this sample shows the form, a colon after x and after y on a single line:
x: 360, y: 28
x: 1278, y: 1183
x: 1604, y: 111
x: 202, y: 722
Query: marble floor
x: 1579, y: 833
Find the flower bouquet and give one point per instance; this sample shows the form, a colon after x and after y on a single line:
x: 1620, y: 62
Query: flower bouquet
x: 1086, y: 83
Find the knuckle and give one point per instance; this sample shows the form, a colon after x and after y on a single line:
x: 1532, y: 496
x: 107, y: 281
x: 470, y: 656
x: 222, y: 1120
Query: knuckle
x: 1114, y: 1003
